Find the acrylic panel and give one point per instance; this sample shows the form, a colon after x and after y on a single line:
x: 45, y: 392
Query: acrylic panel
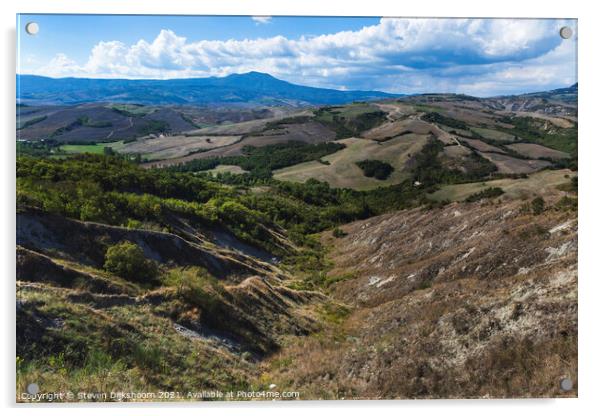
x: 295, y: 208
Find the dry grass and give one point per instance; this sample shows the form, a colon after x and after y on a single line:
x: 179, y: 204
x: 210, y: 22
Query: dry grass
x: 507, y: 164
x: 341, y: 170
x: 535, y: 151
x: 540, y: 183
x: 171, y: 147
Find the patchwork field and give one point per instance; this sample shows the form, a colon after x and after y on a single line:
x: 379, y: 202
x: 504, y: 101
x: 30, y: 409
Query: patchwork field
x: 391, y: 129
x: 456, y: 151
x: 170, y: 147
x: 481, y: 146
x: 96, y: 149
x: 507, y: 164
x: 340, y: 170
x: 307, y: 132
x: 244, y: 127
x: 494, y: 134
x: 536, y: 151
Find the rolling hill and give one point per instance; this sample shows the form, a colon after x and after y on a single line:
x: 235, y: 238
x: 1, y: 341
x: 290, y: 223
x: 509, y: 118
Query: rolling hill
x: 182, y: 248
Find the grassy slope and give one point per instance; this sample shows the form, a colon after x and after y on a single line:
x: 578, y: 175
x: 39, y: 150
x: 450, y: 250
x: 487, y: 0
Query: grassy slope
x: 95, y: 149
x: 537, y: 183
x: 342, y: 172
x: 436, y: 303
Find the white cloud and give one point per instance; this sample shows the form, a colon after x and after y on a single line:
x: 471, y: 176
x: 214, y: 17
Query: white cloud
x: 261, y: 20
x: 479, y: 57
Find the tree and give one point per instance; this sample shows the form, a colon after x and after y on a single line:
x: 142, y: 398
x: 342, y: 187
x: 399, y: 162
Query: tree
x: 127, y: 260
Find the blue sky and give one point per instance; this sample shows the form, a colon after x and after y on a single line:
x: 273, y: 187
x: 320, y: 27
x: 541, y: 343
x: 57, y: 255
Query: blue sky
x: 474, y: 56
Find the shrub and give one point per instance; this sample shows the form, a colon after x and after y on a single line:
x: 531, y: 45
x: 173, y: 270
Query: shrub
x: 127, y: 260
x: 196, y: 286
x: 567, y: 204
x: 338, y: 233
x: 537, y: 205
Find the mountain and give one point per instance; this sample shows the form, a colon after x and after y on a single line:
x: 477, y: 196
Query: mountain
x: 558, y: 102
x: 567, y: 95
x: 254, y: 88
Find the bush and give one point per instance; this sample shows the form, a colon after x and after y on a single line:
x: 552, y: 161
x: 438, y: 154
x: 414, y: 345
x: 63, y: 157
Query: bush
x: 567, y: 204
x: 127, y: 260
x: 196, y: 286
x: 338, y: 233
x: 537, y: 205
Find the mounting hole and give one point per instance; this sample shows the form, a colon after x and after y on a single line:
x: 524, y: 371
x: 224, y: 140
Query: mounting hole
x: 32, y: 28
x: 33, y: 389
x: 566, y: 384
x: 566, y: 32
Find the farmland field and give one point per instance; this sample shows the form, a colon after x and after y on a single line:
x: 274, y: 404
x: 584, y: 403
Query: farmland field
x: 536, y: 151
x: 170, y: 147
x: 340, y: 170
x: 537, y: 183
x: 481, y: 146
x: 97, y: 149
x: 494, y: 134
x: 507, y: 164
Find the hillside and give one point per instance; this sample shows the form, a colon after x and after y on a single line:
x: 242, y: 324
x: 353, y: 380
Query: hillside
x: 472, y: 300
x: 407, y: 247
x: 468, y: 300
x: 252, y: 88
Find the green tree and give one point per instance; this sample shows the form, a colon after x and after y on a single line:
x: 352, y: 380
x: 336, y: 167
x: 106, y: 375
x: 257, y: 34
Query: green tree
x: 127, y: 260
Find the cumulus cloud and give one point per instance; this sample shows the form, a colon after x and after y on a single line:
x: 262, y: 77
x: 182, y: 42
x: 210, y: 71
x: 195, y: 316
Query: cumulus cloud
x: 261, y: 20
x: 475, y: 56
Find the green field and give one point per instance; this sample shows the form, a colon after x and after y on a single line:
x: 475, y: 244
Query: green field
x: 96, y: 149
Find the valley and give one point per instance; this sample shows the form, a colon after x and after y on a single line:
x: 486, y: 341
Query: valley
x: 353, y: 245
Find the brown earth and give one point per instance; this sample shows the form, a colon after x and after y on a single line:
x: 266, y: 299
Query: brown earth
x: 471, y: 300
x: 507, y: 164
x: 481, y: 146
x: 536, y: 151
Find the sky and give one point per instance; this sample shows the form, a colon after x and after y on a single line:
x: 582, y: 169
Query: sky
x: 480, y: 57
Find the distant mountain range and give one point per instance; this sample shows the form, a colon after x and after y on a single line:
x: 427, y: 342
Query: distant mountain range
x: 252, y: 88
x: 567, y: 94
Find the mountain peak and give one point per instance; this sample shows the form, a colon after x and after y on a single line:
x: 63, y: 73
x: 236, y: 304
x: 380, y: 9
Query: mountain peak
x: 254, y: 75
